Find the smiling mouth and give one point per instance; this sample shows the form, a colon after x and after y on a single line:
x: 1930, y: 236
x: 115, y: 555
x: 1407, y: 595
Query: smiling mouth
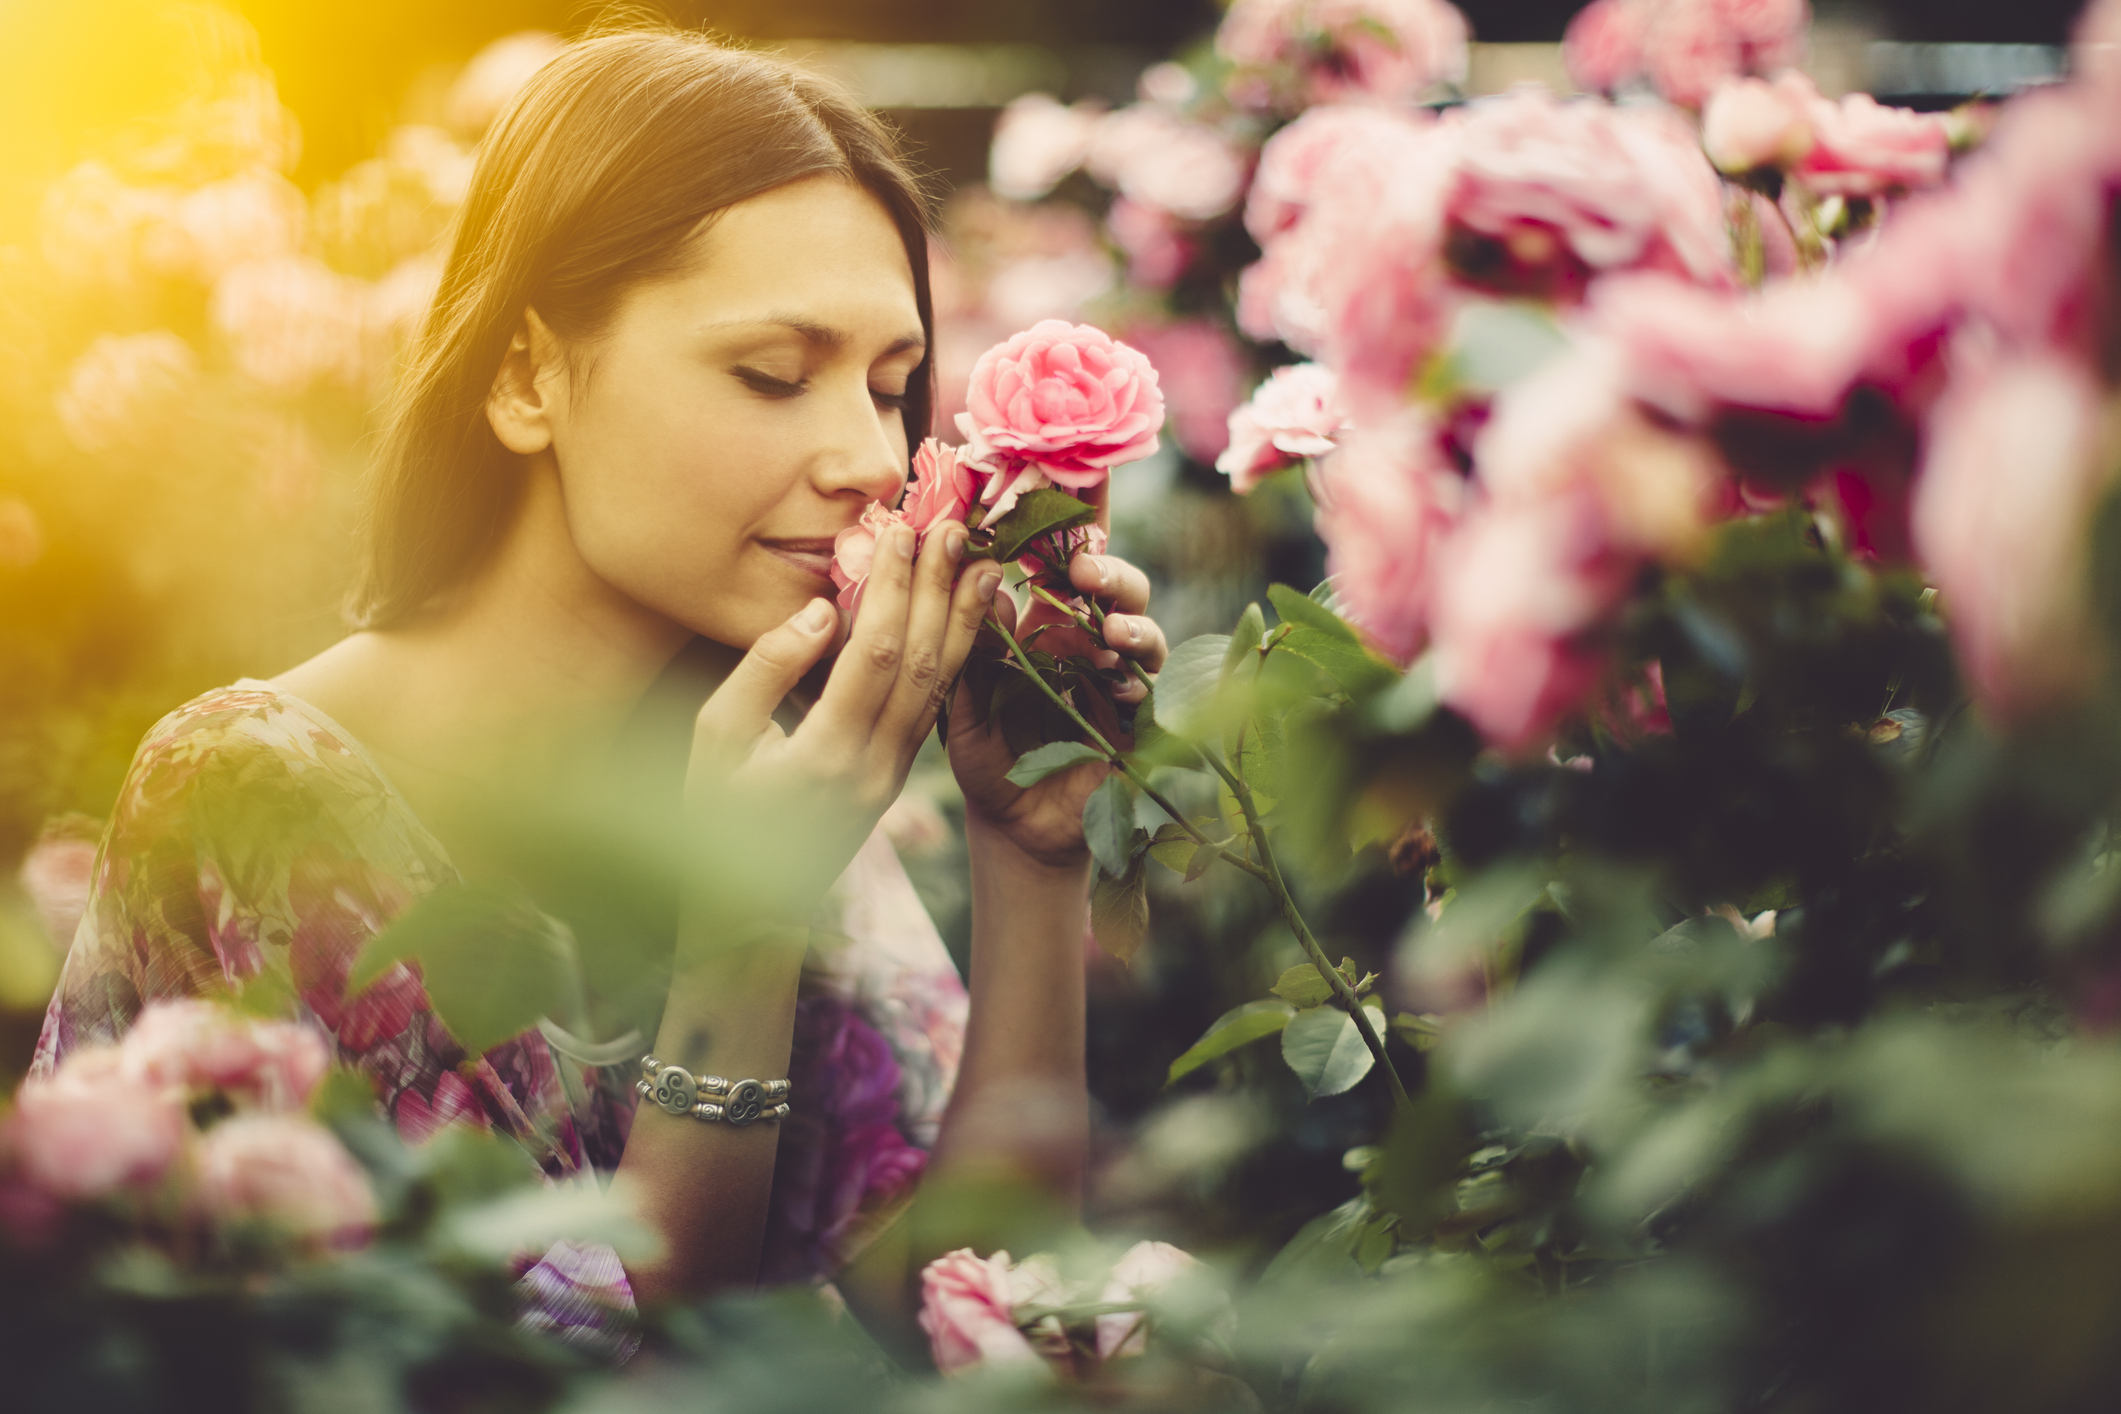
x: 812, y: 556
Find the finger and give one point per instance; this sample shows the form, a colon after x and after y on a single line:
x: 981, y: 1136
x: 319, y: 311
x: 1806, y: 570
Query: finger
x: 1112, y: 579
x: 924, y: 673
x: 978, y: 594
x: 868, y: 666
x: 1138, y: 637
x: 1003, y: 611
x: 741, y: 709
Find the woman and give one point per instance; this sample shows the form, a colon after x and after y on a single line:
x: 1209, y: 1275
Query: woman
x: 681, y: 342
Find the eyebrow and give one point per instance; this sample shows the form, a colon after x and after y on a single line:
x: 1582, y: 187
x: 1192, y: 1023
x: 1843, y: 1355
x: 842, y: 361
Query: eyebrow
x: 822, y: 336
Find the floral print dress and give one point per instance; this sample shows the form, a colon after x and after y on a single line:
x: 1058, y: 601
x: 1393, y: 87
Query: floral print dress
x: 254, y: 838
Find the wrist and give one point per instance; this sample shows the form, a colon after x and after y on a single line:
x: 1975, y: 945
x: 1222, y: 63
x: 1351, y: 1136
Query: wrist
x: 991, y: 846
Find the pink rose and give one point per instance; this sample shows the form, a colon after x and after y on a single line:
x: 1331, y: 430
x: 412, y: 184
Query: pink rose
x: 945, y: 487
x: 1864, y: 148
x: 190, y: 1046
x: 1066, y: 399
x: 1146, y: 1270
x: 291, y: 321
x: 2001, y: 521
x: 92, y: 1129
x: 1750, y: 123
x: 1201, y: 372
x: 1609, y: 188
x: 966, y: 1310
x: 57, y: 871
x: 288, y: 1171
x: 1385, y: 50
x: 1037, y: 142
x: 1387, y: 499
x: 1689, y: 50
x: 1150, y: 154
x: 1603, y: 45
x: 1296, y: 160
x: 1772, y: 31
x: 494, y: 74
x: 1157, y: 250
x: 1294, y: 414
x: 1519, y: 591
x: 854, y: 552
x: 126, y: 389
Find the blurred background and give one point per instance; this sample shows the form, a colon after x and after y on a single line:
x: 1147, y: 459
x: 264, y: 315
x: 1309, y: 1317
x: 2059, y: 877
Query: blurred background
x: 219, y: 223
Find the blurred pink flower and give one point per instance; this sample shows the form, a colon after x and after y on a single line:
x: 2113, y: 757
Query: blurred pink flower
x: 1149, y: 153
x: 1201, y: 373
x: 1295, y: 161
x: 1611, y: 188
x: 1067, y: 399
x: 966, y: 1309
x: 494, y: 74
x: 190, y: 1046
x: 1570, y: 428
x: 288, y: 1171
x: 1863, y: 148
x: 57, y: 870
x: 1604, y: 42
x: 1157, y: 250
x: 1387, y: 499
x: 125, y: 388
x: 1037, y: 142
x: 92, y: 1129
x: 1145, y: 1270
x: 1519, y: 591
x: 2002, y: 516
x: 1292, y: 415
x: 854, y: 552
x: 1302, y: 53
x: 290, y: 322
x: 1752, y: 123
x: 945, y: 487
x: 258, y: 215
x: 1689, y: 49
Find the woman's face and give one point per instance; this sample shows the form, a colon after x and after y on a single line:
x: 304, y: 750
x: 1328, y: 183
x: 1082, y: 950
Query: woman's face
x: 731, y: 420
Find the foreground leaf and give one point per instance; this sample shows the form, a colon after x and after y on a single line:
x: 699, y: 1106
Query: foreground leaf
x: 1241, y: 1027
x: 1326, y: 1051
x: 1303, y: 986
x: 491, y: 960
x: 1050, y: 760
x: 1119, y: 913
x: 1108, y: 825
x: 1042, y: 512
x: 1185, y: 689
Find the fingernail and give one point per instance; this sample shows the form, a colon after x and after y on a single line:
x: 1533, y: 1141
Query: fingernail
x: 814, y: 617
x: 902, y: 539
x: 1134, y: 631
x: 988, y: 584
x: 1106, y: 574
x: 954, y: 542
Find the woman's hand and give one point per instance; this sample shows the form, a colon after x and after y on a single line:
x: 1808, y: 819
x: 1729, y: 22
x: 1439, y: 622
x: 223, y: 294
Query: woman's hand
x: 1045, y: 821
x: 786, y: 811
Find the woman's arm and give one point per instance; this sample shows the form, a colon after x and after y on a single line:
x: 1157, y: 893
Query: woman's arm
x: 1021, y: 1109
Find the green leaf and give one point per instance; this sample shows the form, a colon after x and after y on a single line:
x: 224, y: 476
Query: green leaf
x: 1049, y: 760
x: 1495, y: 343
x: 1041, y: 512
x: 1241, y: 1027
x: 1244, y: 639
x: 1185, y: 689
x: 531, y: 1219
x: 491, y: 960
x: 1173, y: 848
x: 1303, y: 986
x: 1353, y: 666
x: 1119, y: 913
x: 1423, y: 1033
x: 1108, y: 825
x: 1326, y: 1051
x: 1298, y: 609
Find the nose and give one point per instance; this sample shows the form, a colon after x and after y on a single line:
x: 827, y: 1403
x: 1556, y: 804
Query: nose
x: 863, y: 452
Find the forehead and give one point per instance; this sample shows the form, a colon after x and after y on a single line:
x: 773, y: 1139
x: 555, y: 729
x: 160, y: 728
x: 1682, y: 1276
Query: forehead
x: 821, y: 245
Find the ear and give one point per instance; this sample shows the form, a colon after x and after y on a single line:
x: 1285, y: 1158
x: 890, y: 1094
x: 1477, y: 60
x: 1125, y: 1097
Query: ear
x: 528, y: 389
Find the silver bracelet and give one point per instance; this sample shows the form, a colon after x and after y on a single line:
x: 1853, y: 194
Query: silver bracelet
x: 710, y: 1098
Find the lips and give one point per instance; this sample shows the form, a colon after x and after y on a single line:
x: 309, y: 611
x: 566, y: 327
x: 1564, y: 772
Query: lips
x: 812, y: 555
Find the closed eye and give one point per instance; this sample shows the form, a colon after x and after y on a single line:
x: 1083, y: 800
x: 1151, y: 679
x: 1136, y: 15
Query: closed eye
x: 897, y: 402
x: 767, y: 384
